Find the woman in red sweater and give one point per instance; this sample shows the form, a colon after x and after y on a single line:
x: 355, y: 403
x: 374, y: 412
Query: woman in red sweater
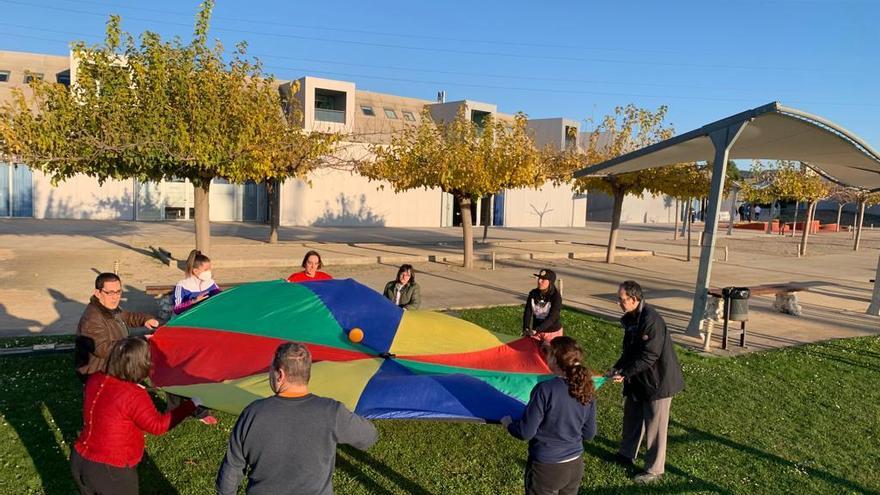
x: 311, y: 269
x: 116, y: 413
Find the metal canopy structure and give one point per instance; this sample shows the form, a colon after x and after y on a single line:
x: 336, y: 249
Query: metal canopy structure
x: 770, y: 132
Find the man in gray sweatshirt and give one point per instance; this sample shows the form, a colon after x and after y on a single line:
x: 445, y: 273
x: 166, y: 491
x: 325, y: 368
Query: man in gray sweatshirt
x: 288, y: 441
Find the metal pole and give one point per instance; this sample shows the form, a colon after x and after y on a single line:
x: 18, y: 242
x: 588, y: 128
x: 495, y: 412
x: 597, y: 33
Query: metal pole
x: 726, y: 299
x: 722, y: 139
x: 11, y: 187
x: 493, y: 260
x: 874, y: 308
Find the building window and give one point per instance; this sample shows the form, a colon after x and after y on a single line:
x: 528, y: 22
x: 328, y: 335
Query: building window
x: 63, y: 77
x: 571, y: 134
x: 390, y: 113
x: 479, y: 118
x: 30, y: 76
x: 4, y: 76
x: 407, y: 115
x: 330, y: 105
x: 368, y: 111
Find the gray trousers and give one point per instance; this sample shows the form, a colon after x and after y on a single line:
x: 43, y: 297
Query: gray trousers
x: 648, y: 419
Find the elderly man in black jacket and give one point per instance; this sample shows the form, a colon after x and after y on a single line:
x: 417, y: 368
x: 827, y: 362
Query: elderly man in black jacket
x: 651, y: 375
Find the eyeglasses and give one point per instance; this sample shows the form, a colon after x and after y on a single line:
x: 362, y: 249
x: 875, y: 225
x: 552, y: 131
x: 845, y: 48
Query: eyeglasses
x: 112, y: 292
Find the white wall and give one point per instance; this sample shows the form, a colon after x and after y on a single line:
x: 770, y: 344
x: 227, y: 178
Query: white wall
x: 562, y: 207
x: 338, y: 197
x: 81, y: 197
x: 649, y: 209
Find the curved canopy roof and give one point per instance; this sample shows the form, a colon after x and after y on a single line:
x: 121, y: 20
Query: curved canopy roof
x: 774, y: 132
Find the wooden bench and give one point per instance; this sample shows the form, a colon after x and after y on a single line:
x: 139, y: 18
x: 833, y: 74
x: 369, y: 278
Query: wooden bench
x: 786, y: 302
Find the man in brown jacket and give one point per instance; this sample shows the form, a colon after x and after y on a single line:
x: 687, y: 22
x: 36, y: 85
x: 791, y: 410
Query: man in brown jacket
x: 103, y: 323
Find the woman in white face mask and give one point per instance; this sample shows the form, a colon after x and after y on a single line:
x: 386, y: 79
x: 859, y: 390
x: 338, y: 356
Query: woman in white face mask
x: 197, y: 286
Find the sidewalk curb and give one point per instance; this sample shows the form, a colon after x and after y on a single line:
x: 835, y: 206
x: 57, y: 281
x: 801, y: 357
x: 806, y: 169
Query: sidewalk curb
x: 36, y: 349
x: 430, y: 258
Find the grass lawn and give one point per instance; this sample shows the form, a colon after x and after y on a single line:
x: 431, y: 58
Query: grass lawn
x: 803, y: 420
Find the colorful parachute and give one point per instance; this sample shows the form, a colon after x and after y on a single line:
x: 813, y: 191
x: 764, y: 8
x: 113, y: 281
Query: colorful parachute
x: 409, y: 364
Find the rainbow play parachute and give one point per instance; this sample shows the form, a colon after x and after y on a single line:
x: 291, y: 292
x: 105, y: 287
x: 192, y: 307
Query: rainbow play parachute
x: 409, y: 364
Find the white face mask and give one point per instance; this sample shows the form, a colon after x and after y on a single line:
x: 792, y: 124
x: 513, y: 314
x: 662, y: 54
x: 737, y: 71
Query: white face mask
x: 205, y: 276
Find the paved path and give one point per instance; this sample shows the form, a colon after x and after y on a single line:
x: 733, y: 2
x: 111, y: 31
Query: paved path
x: 48, y: 266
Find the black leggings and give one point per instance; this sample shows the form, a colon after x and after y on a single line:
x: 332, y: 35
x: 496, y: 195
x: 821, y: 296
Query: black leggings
x: 97, y: 478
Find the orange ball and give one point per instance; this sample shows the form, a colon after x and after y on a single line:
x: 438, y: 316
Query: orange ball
x: 355, y: 335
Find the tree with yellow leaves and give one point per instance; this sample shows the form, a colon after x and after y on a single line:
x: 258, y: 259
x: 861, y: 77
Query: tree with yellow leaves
x: 158, y: 110
x: 864, y: 200
x: 628, y: 129
x: 788, y: 181
x: 842, y: 196
x: 798, y: 182
x: 464, y: 158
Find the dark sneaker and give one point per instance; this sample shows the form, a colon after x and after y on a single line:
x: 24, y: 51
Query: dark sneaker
x: 646, y: 478
x: 621, y: 460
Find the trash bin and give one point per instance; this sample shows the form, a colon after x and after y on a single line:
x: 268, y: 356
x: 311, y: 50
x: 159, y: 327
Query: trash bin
x: 738, y: 300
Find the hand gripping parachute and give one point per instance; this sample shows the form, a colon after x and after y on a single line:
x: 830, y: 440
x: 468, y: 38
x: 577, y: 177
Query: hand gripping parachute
x: 405, y: 364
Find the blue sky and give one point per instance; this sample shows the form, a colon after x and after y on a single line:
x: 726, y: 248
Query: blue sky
x: 704, y: 59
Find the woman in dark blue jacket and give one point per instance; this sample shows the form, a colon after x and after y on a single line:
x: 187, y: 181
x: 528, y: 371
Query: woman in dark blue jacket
x: 560, y: 416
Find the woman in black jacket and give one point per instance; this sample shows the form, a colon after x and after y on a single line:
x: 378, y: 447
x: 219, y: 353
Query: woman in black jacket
x: 541, y: 316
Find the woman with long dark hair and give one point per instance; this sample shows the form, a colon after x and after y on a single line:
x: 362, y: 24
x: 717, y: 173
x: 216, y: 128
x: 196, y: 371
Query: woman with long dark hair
x: 560, y: 416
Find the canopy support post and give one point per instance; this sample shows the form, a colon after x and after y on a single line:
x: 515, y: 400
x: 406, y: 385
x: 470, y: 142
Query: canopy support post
x: 723, y: 139
x: 874, y: 308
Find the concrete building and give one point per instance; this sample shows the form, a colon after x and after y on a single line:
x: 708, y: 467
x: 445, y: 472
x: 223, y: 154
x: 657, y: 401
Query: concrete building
x: 338, y: 197
x: 329, y: 196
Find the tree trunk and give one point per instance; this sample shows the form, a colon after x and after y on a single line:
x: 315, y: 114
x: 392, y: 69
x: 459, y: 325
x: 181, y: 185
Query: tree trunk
x: 859, y: 228
x: 807, y: 225
x: 274, y: 210
x: 839, y: 212
x: 203, y: 219
x: 615, y: 225
x: 685, y: 211
x: 677, y: 214
x: 467, y: 230
x: 689, y: 222
x: 794, y: 223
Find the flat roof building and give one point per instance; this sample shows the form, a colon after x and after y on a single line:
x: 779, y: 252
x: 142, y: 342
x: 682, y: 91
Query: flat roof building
x: 330, y: 196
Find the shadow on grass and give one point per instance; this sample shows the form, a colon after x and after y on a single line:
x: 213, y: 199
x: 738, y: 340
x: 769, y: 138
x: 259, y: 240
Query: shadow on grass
x: 362, y: 458
x: 604, y: 448
x: 697, y: 435
x: 46, y: 415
